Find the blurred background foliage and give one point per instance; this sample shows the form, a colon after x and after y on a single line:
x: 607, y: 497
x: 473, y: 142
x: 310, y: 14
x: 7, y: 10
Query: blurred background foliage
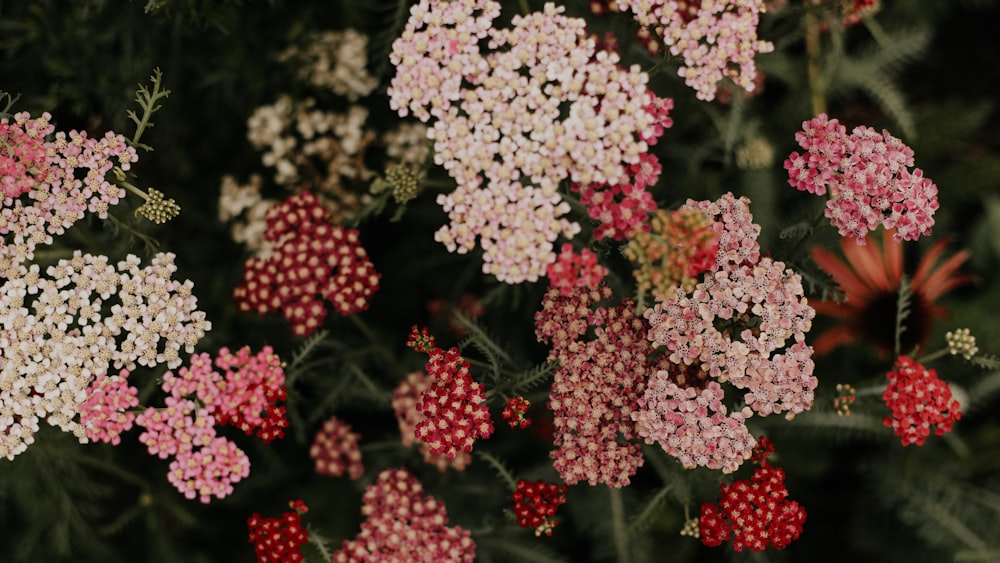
x: 926, y: 71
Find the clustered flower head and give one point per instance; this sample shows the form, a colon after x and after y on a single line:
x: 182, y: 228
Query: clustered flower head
x: 404, y: 402
x: 83, y: 318
x: 335, y: 450
x: 311, y: 261
x: 279, y: 540
x: 244, y: 207
x: 336, y: 60
x: 536, y: 503
x: 47, y: 185
x: 846, y: 395
x: 515, y: 412
x: 693, y: 426
x: 542, y: 106
x: 716, y: 38
x: 105, y: 413
x: 572, y: 271
x: 402, y: 523
x: 198, y: 400
x: 961, y: 342
x: 454, y: 406
x: 920, y: 402
x: 679, y: 247
x: 597, y: 383
x: 868, y: 177
x: 755, y: 513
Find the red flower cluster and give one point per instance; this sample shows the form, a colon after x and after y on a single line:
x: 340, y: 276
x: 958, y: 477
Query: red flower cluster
x: 454, y: 406
x: 404, y: 524
x: 310, y: 261
x: 535, y: 505
x: 754, y: 513
x: 571, y: 270
x: 335, y: 450
x: 515, y: 412
x: 254, y: 385
x: 622, y: 209
x: 277, y: 540
x: 918, y: 400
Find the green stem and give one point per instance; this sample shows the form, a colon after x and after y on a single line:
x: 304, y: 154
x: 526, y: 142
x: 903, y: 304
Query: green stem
x: 932, y: 356
x: 814, y: 69
x: 525, y: 8
x: 618, y: 523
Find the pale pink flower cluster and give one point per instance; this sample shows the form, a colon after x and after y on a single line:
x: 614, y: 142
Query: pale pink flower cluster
x: 597, y: 383
x: 867, y: 176
x: 745, y: 323
x: 693, y: 426
x: 199, y: 399
x: 404, y: 403
x: 403, y: 523
x: 105, y: 413
x: 85, y: 317
x: 336, y: 60
x: 45, y: 195
x: 335, y: 450
x: 542, y: 106
x: 716, y: 38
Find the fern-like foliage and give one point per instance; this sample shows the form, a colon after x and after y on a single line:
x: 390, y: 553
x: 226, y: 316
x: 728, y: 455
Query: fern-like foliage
x: 902, y: 312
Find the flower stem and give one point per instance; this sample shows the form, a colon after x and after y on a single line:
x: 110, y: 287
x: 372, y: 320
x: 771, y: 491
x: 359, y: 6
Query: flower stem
x: 618, y: 522
x: 814, y: 68
x: 932, y: 356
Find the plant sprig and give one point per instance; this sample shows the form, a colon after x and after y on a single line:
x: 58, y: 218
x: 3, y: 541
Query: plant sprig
x: 148, y: 99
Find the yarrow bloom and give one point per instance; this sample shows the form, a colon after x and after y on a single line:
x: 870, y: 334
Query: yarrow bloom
x: 404, y: 402
x: 571, y: 271
x: 536, y: 503
x: 679, y: 247
x: 335, y: 450
x: 716, y: 38
x: 755, y: 513
x: 560, y: 109
x: 598, y: 382
x: 404, y: 524
x: 61, y: 332
x: 919, y: 401
x: 279, y: 540
x: 868, y: 177
x: 454, y: 406
x: 961, y: 342
x: 105, y: 413
x: 49, y: 185
x: 871, y: 277
x: 515, y: 412
x: 311, y: 261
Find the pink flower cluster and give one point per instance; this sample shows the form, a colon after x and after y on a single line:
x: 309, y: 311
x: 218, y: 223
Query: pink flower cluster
x: 335, y: 450
x: 310, y: 261
x: 453, y: 406
x: 83, y: 318
x: 404, y: 524
x: 573, y: 271
x: 542, y: 106
x: 404, y: 402
x: 597, y: 383
x: 200, y: 399
x: 693, y: 426
x: 716, y: 38
x: 744, y: 323
x: 868, y: 178
x: 919, y: 401
x: 49, y: 185
x: 105, y: 413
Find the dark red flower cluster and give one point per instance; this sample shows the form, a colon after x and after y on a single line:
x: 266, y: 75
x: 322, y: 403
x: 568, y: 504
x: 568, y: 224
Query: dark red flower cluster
x: 277, y: 540
x: 404, y: 524
x: 754, y: 513
x: 254, y: 385
x: 919, y: 400
x: 515, y: 412
x: 310, y: 261
x: 535, y: 505
x: 454, y: 406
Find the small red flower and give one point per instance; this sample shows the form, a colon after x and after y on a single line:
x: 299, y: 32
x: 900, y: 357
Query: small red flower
x: 535, y: 505
x: 919, y: 400
x: 515, y: 412
x: 277, y: 540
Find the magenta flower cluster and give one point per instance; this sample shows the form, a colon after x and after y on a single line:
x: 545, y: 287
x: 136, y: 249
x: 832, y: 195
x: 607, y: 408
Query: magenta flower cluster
x: 744, y: 323
x: 50, y: 184
x: 82, y: 319
x: 335, y: 450
x: 867, y: 175
x: 542, y: 106
x: 717, y: 39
